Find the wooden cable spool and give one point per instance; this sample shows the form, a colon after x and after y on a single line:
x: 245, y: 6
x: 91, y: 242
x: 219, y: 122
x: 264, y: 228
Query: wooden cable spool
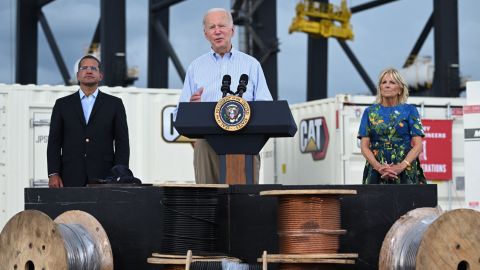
x: 31, y: 240
x: 309, y: 227
x: 426, y: 238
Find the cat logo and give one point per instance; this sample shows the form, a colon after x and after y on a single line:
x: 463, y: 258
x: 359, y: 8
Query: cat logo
x: 314, y: 137
x: 169, y: 133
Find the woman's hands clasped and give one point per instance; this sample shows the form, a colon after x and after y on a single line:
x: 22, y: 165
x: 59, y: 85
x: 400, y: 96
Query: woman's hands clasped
x: 390, y: 171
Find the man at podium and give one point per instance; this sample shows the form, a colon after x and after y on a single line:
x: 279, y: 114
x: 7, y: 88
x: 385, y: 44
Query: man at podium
x: 213, y: 72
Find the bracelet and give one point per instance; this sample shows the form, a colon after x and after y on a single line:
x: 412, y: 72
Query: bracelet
x: 406, y: 162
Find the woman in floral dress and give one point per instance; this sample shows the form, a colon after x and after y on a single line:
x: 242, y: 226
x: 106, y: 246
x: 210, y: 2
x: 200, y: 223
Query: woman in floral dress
x: 391, y: 135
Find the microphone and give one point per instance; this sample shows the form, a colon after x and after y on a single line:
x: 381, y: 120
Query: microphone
x: 242, y: 85
x: 226, y: 81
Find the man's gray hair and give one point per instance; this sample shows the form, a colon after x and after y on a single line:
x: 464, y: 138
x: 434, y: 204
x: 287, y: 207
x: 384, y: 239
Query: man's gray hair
x: 229, y: 15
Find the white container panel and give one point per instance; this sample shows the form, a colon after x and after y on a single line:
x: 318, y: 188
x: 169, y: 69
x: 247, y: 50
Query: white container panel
x: 267, y: 163
x: 472, y: 147
x: 354, y: 162
x: 3, y: 158
x: 24, y: 122
x: 297, y: 168
x: 21, y: 102
x: 153, y: 158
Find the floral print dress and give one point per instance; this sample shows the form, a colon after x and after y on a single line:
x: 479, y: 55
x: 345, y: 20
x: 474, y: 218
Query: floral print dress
x: 390, y: 130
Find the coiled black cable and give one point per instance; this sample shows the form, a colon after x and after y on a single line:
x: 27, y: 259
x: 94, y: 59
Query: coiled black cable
x: 80, y: 246
x: 191, y: 221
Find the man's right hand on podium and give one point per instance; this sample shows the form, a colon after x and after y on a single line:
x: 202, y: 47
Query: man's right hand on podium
x: 196, y: 97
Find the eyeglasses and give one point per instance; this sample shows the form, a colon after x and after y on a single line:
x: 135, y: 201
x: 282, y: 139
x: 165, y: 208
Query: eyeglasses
x: 92, y: 68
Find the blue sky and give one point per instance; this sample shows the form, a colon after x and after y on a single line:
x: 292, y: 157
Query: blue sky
x: 383, y: 38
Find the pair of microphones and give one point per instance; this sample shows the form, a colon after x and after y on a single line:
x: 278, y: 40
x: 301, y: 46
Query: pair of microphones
x: 242, y: 85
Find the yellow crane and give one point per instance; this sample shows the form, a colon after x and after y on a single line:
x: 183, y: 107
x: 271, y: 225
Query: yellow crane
x: 323, y: 19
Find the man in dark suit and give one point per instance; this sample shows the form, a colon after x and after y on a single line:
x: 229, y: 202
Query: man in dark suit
x: 88, y: 132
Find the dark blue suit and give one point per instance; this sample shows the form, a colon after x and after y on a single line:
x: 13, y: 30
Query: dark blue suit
x: 79, y: 151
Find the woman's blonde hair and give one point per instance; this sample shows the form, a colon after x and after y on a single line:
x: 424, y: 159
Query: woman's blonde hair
x: 398, y: 79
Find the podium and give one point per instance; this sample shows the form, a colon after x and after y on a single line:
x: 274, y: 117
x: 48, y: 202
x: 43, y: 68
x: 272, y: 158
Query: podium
x: 236, y: 148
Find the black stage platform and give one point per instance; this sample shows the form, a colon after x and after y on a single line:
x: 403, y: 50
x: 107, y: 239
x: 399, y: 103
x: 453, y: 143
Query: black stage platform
x: 133, y: 219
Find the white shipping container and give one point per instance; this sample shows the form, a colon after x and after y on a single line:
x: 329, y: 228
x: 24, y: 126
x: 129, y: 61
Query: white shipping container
x: 472, y: 145
x: 24, y: 125
x: 326, y: 150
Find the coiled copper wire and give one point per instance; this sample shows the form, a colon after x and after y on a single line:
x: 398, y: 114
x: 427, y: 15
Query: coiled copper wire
x: 309, y: 224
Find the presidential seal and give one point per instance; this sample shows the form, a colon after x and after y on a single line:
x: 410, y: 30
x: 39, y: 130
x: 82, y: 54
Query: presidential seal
x: 232, y: 113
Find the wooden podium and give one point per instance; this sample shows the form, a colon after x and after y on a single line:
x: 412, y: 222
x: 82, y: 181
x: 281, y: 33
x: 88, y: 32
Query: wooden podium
x: 236, y: 148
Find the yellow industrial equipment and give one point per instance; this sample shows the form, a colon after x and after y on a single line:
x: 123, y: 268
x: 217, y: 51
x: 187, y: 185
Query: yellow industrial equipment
x: 323, y: 19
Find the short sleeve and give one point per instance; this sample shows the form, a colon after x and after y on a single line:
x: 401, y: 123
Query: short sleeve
x: 364, y: 130
x: 415, y: 123
x: 261, y: 92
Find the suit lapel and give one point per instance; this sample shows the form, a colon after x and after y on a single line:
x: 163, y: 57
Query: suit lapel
x: 98, y: 103
x: 78, y: 107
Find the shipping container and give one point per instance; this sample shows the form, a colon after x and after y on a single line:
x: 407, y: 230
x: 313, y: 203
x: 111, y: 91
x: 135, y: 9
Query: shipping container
x: 471, y: 112
x: 156, y: 155
x: 326, y: 150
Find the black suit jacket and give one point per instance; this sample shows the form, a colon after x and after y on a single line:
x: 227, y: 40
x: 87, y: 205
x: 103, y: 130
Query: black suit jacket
x: 80, y: 151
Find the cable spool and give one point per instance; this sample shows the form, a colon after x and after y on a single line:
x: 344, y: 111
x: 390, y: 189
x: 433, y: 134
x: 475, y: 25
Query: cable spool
x: 426, y: 238
x: 74, y: 240
x: 309, y: 220
x: 309, y: 223
x: 191, y: 219
x: 190, y: 262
